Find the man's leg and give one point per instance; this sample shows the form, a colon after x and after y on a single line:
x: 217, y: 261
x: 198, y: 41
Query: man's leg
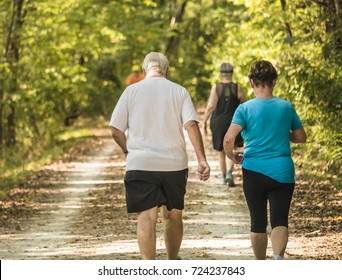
x: 259, y: 244
x: 279, y: 238
x: 173, y: 231
x: 146, y: 233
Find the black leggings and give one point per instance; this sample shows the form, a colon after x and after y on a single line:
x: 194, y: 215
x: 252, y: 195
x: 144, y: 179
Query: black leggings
x: 259, y: 189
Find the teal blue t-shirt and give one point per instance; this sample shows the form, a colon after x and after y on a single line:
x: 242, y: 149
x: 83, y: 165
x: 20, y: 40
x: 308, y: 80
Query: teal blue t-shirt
x: 266, y: 126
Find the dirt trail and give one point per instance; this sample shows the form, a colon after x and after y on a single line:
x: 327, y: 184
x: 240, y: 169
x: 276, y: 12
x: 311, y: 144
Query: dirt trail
x: 48, y: 234
x: 86, y: 217
x: 83, y: 216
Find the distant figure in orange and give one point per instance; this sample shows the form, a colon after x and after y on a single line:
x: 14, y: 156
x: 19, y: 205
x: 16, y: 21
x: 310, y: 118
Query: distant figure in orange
x: 135, y: 76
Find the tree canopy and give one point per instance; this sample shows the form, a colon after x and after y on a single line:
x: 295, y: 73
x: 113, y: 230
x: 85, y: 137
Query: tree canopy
x: 66, y: 60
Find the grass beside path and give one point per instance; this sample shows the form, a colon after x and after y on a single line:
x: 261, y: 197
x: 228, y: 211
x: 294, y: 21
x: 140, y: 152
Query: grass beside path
x: 18, y: 165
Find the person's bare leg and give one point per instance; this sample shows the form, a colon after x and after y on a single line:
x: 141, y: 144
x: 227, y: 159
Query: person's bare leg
x: 222, y: 162
x: 173, y: 231
x: 259, y: 244
x: 230, y: 165
x: 146, y: 233
x: 279, y: 239
x: 229, y: 176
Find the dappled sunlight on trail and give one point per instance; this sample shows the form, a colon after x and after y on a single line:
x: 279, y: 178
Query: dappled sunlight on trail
x: 87, y: 218
x: 76, y: 210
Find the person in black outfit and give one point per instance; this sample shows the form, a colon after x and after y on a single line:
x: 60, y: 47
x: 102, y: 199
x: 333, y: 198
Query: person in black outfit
x: 224, y: 98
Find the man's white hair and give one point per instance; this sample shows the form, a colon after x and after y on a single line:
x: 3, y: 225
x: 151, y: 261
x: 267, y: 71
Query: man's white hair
x: 156, y: 61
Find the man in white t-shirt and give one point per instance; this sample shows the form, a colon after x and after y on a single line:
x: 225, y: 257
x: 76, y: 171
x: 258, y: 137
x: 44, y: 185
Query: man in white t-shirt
x: 154, y: 112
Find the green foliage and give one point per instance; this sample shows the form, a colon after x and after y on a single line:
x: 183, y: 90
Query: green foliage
x: 18, y: 165
x: 73, y: 56
x: 312, y: 80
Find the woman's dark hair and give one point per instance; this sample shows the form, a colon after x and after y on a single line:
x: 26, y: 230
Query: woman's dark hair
x: 262, y: 73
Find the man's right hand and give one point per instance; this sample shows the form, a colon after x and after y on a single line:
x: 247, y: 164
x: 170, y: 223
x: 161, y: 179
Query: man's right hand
x: 203, y: 170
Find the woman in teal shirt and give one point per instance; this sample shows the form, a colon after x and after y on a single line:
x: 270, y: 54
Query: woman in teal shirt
x: 267, y: 125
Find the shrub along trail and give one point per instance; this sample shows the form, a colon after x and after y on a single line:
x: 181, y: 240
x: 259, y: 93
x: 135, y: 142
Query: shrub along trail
x: 75, y: 209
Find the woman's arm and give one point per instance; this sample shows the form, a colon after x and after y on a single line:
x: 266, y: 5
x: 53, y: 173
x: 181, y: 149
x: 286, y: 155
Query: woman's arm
x: 229, y: 143
x: 298, y: 136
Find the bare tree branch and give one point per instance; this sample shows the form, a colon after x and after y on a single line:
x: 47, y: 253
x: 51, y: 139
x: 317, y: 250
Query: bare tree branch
x: 173, y: 40
x: 10, y: 30
x: 287, y: 25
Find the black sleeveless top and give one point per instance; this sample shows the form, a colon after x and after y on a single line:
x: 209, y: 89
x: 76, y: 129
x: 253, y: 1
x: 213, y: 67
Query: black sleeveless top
x: 226, y: 105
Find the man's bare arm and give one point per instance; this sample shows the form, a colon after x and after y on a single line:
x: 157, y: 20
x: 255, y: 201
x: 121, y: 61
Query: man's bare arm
x: 120, y: 138
x: 197, y: 142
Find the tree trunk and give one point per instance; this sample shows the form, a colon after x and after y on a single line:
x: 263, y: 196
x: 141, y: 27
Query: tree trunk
x: 333, y: 24
x: 1, y: 112
x: 12, y: 57
x: 11, y: 139
x: 338, y: 7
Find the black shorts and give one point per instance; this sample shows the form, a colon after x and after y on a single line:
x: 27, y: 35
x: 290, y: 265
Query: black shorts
x: 259, y: 189
x: 218, y: 134
x: 148, y: 189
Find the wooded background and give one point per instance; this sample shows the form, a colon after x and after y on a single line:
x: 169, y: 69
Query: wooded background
x: 63, y: 62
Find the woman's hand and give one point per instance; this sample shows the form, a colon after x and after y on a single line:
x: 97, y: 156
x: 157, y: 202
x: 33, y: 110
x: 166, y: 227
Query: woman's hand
x: 237, y: 157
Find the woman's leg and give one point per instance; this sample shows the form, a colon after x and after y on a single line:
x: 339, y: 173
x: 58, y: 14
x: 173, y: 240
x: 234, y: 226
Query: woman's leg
x: 280, y: 200
x: 279, y: 238
x: 259, y: 245
x: 257, y: 204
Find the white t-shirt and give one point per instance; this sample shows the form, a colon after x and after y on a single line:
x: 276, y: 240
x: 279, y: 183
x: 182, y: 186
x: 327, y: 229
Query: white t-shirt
x: 153, y: 112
